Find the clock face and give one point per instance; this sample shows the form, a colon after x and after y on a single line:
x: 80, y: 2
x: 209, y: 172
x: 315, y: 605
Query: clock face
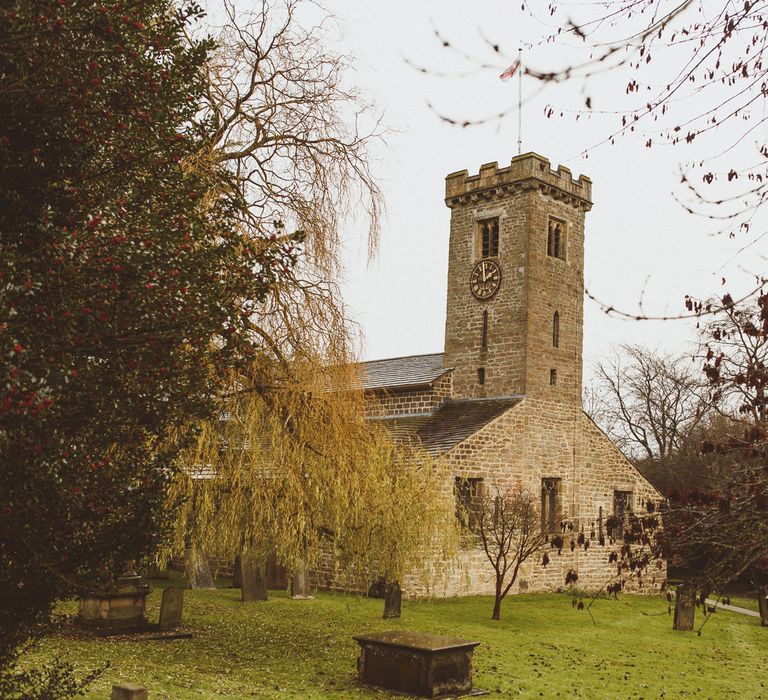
x: 485, y: 279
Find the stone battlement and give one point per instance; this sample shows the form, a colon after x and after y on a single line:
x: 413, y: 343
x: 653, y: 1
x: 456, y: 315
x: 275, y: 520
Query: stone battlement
x: 526, y: 171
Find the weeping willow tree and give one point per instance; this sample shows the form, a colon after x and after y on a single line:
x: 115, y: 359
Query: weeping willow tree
x: 299, y: 473
x: 292, y: 467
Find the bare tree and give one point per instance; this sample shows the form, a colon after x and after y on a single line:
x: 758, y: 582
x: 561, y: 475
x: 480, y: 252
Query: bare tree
x: 718, y: 531
x: 735, y: 348
x: 296, y: 139
x: 650, y: 401
x: 509, y: 527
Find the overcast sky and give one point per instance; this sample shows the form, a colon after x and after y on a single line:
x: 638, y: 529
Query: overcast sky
x: 640, y: 244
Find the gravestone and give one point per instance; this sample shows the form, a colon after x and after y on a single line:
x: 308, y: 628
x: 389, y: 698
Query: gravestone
x: 392, y: 599
x: 412, y: 662
x: 171, y: 608
x: 301, y: 586
x: 276, y: 575
x: 762, y: 604
x: 128, y: 691
x: 253, y: 585
x: 685, y: 608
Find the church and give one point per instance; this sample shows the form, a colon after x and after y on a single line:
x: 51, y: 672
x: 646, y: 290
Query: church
x: 501, y: 406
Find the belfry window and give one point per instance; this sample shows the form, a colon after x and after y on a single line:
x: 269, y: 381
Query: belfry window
x: 556, y: 239
x: 489, y: 238
x: 556, y: 330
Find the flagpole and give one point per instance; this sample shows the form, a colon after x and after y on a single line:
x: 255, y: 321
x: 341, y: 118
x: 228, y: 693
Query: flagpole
x: 520, y: 102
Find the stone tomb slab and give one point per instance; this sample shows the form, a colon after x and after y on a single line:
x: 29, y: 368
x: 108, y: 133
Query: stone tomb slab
x: 413, y: 662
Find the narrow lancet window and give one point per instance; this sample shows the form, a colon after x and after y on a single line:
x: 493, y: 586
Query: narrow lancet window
x: 556, y: 330
x: 550, y: 505
x: 484, y: 336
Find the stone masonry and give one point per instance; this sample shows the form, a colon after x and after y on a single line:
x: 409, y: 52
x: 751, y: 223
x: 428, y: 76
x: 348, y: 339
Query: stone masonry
x: 519, y: 353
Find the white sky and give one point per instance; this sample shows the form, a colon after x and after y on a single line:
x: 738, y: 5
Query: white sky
x: 639, y: 241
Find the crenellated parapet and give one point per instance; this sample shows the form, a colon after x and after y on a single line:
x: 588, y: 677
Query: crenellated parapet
x: 526, y: 172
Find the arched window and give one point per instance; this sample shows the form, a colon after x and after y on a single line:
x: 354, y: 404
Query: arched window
x: 489, y: 238
x: 556, y: 330
x: 556, y: 239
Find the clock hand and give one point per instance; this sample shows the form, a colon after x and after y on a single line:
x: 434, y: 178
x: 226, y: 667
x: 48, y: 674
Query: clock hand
x: 484, y: 275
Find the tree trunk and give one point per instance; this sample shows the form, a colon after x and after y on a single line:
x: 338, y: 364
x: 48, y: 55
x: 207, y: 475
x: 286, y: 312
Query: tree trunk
x: 254, y: 585
x: 685, y: 608
x: 762, y: 604
x: 237, y: 572
x: 392, y: 600
x: 497, y: 602
x: 197, y: 569
x: 496, y: 608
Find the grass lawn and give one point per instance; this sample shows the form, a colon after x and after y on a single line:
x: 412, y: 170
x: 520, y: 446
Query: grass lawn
x: 543, y: 647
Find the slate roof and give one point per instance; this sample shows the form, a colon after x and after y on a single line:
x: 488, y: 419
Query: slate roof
x: 451, y: 424
x: 406, y: 426
x: 411, y: 371
x: 455, y: 421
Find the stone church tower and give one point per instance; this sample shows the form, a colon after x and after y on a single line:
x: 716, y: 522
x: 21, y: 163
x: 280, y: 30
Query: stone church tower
x: 516, y: 280
x: 500, y: 408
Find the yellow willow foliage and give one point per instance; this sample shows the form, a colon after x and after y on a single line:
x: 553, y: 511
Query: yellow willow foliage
x: 299, y: 472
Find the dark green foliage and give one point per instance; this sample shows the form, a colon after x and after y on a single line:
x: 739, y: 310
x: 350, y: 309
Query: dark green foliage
x: 122, y: 283
x: 54, y: 680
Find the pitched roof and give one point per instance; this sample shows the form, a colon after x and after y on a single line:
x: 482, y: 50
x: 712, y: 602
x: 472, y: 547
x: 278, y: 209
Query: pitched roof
x: 414, y: 370
x: 405, y: 427
x: 455, y: 421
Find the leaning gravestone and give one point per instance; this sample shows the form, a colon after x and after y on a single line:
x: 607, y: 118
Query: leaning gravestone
x: 253, y: 585
x: 171, y: 608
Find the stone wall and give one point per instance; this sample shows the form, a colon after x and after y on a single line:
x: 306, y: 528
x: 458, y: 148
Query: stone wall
x: 398, y: 402
x: 534, y: 440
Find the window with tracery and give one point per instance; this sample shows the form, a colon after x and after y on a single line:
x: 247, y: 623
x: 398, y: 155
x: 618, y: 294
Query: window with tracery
x: 556, y: 239
x: 622, y: 507
x: 488, y: 234
x: 469, y: 493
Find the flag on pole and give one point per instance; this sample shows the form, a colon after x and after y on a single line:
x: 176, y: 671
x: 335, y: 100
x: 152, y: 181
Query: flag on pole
x: 511, y: 70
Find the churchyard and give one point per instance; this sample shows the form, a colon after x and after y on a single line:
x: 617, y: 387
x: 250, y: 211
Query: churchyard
x: 542, y: 647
